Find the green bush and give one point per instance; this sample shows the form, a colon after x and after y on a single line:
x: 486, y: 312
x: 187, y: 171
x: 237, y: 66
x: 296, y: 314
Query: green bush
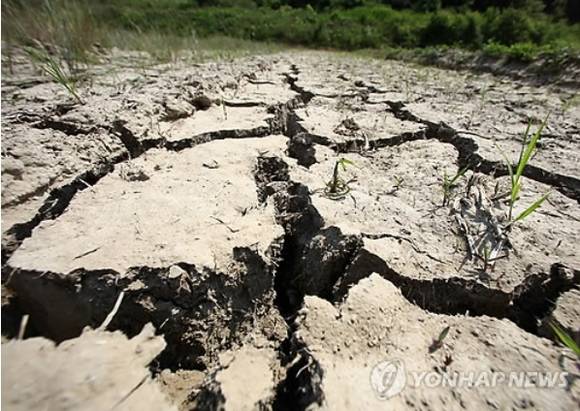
x: 510, y: 27
x: 444, y: 28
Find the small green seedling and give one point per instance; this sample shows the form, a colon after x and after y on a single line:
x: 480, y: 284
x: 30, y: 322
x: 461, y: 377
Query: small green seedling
x: 450, y: 183
x: 489, y: 257
x: 337, y: 188
x: 565, y: 339
x: 527, y: 151
x: 398, y: 182
x: 486, y: 258
x: 52, y: 67
x: 438, y: 343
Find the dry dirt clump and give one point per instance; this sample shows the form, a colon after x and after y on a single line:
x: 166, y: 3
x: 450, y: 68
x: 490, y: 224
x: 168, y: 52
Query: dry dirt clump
x: 204, y: 193
x: 95, y: 371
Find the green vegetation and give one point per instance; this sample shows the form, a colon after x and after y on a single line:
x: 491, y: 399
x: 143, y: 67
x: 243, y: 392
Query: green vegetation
x: 74, y: 31
x: 438, y: 342
x: 516, y: 28
x: 369, y: 26
x: 450, y: 183
x: 565, y: 339
x: 526, y: 153
x: 55, y: 70
x: 337, y: 188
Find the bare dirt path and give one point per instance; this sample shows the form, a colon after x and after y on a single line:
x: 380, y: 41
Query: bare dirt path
x: 205, y: 193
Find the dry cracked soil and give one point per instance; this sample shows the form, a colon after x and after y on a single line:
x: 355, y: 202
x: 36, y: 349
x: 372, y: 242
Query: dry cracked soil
x: 185, y: 238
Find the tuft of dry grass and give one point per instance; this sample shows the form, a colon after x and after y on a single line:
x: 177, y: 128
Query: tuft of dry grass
x: 67, y: 29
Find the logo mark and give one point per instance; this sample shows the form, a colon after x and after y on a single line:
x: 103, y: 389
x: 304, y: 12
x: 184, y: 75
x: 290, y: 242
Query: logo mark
x: 388, y: 378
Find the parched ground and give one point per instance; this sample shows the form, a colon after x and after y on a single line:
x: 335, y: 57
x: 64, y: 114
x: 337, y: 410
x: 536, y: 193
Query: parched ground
x: 204, y: 194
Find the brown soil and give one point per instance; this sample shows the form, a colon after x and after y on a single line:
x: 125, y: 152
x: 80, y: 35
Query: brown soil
x: 202, y: 192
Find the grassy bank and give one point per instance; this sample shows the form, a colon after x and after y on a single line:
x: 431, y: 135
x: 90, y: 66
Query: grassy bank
x: 164, y: 26
x: 362, y: 27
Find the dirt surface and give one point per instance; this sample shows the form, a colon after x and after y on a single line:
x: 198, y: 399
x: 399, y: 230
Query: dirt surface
x: 376, y: 322
x: 211, y: 195
x: 95, y: 371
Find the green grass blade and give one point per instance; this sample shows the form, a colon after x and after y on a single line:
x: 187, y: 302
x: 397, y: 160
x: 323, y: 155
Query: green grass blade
x: 565, y: 339
x: 524, y: 141
x: 529, y: 150
x: 532, y: 208
x: 344, y: 162
x: 515, y: 191
x: 459, y: 174
x: 53, y: 69
x: 443, y: 334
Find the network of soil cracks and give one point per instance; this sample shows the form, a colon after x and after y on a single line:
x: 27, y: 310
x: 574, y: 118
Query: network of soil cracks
x: 199, y: 198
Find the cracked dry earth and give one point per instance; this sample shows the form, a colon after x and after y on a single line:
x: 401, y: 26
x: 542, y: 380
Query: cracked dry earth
x: 199, y: 192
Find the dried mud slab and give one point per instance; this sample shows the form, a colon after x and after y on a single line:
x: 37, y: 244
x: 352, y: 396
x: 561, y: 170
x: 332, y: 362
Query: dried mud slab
x: 223, y: 121
x: 245, y: 379
x: 98, y: 370
x: 174, y: 210
x: 333, y: 76
x: 188, y: 240
x: 261, y: 92
x: 376, y: 324
x: 348, y: 123
x: 35, y: 161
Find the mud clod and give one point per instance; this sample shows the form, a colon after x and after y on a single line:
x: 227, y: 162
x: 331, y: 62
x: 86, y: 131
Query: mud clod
x: 42, y: 375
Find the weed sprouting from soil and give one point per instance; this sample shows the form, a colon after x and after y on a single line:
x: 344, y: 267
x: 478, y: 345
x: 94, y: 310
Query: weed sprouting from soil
x: 526, y: 153
x: 491, y: 255
x: 438, y: 342
x: 337, y: 188
x: 450, y: 183
x: 52, y: 67
x: 398, y: 182
x: 486, y: 258
x: 565, y: 339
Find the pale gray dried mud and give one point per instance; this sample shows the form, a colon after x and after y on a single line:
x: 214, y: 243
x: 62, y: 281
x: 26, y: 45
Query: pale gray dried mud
x: 201, y: 191
x: 95, y: 371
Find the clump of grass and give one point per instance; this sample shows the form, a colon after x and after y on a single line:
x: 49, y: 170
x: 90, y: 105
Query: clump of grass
x: 450, y: 183
x: 526, y: 153
x: 67, y: 27
x: 337, y: 188
x: 565, y: 339
x: 54, y: 69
